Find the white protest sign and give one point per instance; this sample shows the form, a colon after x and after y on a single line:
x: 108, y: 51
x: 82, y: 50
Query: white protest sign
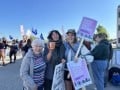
x: 87, y: 28
x: 79, y: 73
x: 22, y: 31
x: 28, y: 33
x: 58, y: 78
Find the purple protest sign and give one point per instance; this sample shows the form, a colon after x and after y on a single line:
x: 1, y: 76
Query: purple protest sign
x: 79, y: 73
x: 87, y: 28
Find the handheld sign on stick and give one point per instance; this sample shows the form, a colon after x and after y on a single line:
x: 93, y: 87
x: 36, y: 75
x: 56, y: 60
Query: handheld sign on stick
x: 86, y: 31
x: 82, y: 78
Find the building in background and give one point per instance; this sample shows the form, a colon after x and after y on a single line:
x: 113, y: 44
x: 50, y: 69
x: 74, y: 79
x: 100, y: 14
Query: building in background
x: 118, y: 26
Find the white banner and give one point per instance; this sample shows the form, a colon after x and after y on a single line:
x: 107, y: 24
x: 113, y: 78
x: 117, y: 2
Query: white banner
x: 79, y: 73
x: 58, y: 78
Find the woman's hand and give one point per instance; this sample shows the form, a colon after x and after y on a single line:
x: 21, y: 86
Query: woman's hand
x: 49, y: 55
x: 76, y: 59
x: 68, y: 76
x: 35, y: 88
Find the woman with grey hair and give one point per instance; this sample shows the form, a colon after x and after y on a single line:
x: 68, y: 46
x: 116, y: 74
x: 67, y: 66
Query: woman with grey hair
x: 33, y: 67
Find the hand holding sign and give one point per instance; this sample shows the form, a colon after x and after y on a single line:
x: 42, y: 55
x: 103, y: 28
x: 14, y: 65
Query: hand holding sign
x: 79, y: 72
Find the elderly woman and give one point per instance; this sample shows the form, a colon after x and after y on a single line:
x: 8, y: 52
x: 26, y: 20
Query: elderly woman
x: 33, y: 67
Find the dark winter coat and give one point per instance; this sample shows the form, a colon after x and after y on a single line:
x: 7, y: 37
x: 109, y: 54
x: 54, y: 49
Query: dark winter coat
x: 57, y: 55
x: 101, y: 51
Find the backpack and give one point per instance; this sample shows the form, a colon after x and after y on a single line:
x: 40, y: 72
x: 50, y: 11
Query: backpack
x: 115, y: 80
x: 114, y: 76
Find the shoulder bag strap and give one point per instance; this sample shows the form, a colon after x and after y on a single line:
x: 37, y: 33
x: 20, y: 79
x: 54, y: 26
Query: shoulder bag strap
x: 72, y: 48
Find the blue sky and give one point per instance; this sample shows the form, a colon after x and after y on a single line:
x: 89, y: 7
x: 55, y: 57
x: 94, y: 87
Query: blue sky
x: 46, y: 15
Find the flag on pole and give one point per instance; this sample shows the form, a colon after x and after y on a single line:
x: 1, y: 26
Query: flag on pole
x: 34, y: 31
x: 41, y: 36
x: 10, y: 37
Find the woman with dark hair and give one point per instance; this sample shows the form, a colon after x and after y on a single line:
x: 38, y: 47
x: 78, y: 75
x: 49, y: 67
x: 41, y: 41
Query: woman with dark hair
x: 54, y: 35
x: 54, y: 54
x: 27, y: 46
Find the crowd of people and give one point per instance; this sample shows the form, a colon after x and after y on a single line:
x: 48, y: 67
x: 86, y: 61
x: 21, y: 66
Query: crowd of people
x: 5, y: 46
x: 12, y: 48
x: 40, y: 59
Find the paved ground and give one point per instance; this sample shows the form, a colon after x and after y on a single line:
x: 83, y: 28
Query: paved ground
x: 9, y: 77
x: 109, y: 87
x: 10, y: 80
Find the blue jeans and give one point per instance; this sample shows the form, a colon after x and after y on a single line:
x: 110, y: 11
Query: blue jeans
x: 106, y: 74
x: 99, y: 68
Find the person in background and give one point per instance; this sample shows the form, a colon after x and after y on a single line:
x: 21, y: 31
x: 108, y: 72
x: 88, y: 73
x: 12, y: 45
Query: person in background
x: 87, y: 44
x: 24, y: 41
x: 71, y: 46
x: 101, y: 56
x: 27, y: 46
x: 54, y: 54
x: 2, y: 54
x: 32, y: 70
x: 13, y: 51
x: 4, y: 40
x: 20, y: 44
x: 109, y: 59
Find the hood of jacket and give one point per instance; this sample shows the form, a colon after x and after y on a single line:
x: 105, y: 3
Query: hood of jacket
x: 104, y: 41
